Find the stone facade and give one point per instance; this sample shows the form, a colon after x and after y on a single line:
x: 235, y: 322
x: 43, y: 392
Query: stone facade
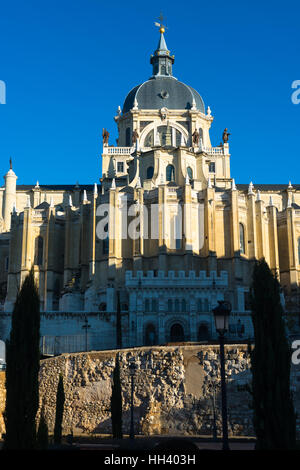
x: 164, y: 176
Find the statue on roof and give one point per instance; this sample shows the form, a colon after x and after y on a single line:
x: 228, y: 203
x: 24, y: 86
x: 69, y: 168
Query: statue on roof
x: 226, y: 135
x: 105, y: 135
x: 196, y: 137
x: 135, y: 136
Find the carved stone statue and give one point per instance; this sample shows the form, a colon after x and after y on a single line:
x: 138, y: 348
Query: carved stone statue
x: 135, y: 136
x: 196, y: 137
x: 105, y: 135
x: 225, y: 135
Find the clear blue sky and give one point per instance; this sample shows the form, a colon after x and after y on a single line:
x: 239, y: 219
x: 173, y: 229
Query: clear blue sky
x: 68, y: 64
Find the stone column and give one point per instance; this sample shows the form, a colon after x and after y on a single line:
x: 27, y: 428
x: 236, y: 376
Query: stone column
x: 250, y: 241
x: 273, y: 240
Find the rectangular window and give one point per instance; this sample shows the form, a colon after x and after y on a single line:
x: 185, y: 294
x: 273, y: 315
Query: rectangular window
x: 212, y: 167
x: 6, y: 264
x: 120, y: 167
x: 247, y: 303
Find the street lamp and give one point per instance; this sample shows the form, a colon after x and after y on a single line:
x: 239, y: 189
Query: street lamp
x: 132, y: 369
x: 215, y: 433
x: 221, y: 314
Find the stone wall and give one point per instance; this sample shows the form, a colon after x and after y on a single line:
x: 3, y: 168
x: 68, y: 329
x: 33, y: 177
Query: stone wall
x: 173, y: 393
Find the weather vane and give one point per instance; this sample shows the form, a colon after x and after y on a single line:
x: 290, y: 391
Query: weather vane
x: 160, y: 25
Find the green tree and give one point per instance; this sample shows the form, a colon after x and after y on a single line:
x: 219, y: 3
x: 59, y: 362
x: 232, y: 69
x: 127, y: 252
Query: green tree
x: 22, y: 368
x: 116, y: 402
x: 42, y: 432
x: 274, y: 416
x: 60, y: 401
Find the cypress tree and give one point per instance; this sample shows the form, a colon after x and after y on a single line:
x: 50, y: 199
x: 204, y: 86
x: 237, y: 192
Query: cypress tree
x: 274, y: 416
x: 60, y: 401
x: 22, y: 368
x: 119, y: 322
x: 116, y: 403
x: 42, y: 433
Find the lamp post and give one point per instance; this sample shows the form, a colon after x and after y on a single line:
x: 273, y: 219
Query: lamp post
x: 132, y: 374
x: 215, y: 434
x: 221, y: 314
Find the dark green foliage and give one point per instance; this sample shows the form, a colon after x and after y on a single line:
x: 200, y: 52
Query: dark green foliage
x: 22, y: 368
x: 60, y: 401
x: 274, y: 416
x: 116, y: 403
x: 119, y: 322
x: 42, y: 433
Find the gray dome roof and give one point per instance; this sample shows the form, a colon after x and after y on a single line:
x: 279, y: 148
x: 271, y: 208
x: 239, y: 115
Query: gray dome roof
x: 163, y: 92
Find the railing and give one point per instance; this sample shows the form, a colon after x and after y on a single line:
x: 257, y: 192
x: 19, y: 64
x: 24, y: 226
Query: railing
x: 53, y: 345
x: 130, y: 150
x: 213, y: 150
x: 118, y: 150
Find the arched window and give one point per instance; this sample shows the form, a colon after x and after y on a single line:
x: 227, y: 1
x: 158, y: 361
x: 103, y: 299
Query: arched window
x: 183, y: 305
x: 150, y: 335
x: 199, y: 305
x: 176, y: 333
x: 149, y: 140
x: 203, y: 333
x: 38, y: 252
x: 189, y: 172
x: 242, y: 238
x: 170, y: 305
x: 206, y: 305
x: 170, y: 173
x: 150, y: 171
x: 102, y: 307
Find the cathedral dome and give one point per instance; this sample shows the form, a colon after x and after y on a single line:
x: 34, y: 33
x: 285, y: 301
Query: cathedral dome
x: 163, y: 92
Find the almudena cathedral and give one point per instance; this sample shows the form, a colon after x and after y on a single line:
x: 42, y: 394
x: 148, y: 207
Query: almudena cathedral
x: 164, y: 236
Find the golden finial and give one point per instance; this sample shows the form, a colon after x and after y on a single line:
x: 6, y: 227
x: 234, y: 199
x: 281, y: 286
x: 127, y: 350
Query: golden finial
x: 160, y: 25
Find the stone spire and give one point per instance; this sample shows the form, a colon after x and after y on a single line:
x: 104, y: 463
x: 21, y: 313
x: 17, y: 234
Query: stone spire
x: 70, y: 204
x: 84, y: 196
x: 161, y: 60
x: 95, y: 190
x: 258, y: 198
x: 113, y: 184
x: 233, y: 186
